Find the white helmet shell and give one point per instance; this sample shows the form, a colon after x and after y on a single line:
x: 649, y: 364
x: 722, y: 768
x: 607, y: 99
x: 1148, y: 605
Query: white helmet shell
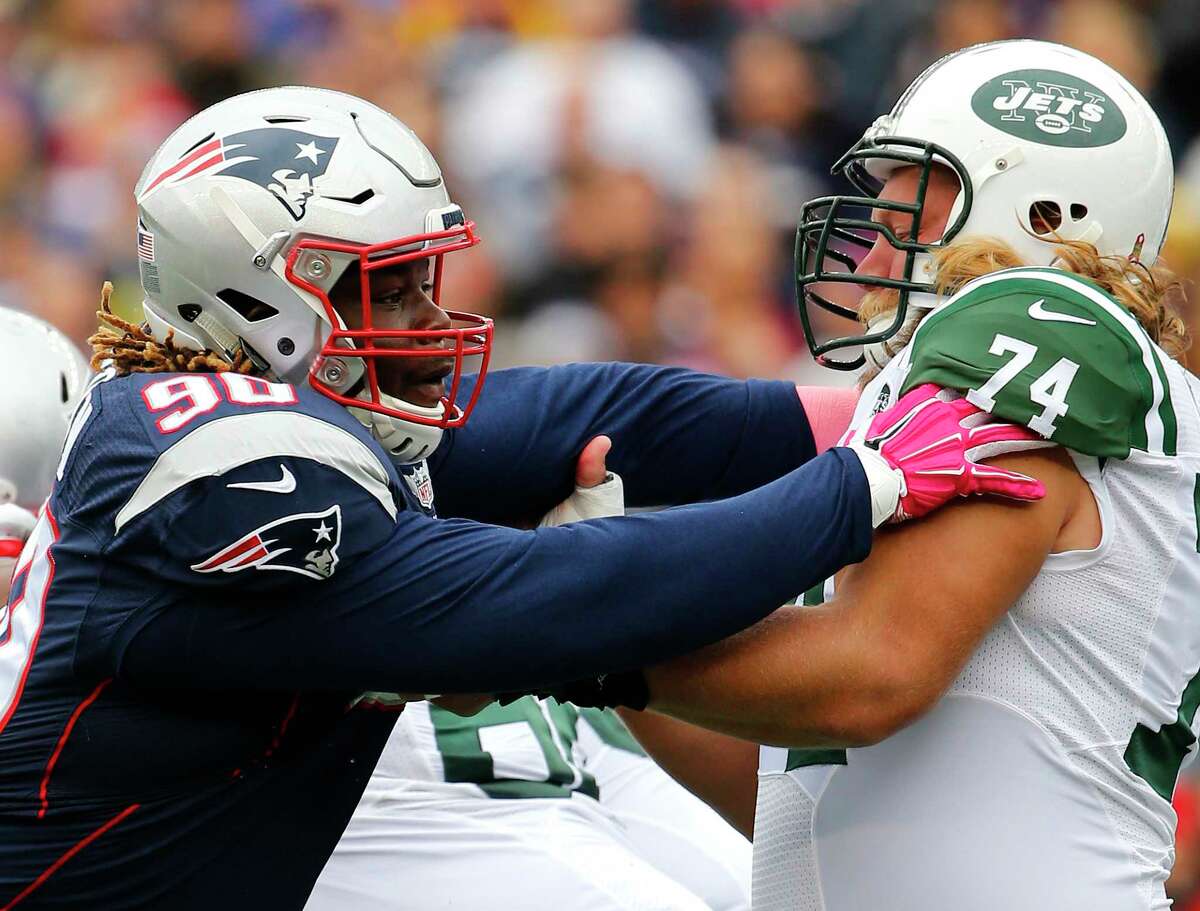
x: 229, y: 196
x: 41, y: 377
x: 1037, y: 122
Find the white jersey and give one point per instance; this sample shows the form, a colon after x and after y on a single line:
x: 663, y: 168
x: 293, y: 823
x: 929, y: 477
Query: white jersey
x: 1043, y: 778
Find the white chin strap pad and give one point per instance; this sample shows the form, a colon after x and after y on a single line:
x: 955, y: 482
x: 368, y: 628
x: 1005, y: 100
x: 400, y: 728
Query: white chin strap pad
x: 405, y: 441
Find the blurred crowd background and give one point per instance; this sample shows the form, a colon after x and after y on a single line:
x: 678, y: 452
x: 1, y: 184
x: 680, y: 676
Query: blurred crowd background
x: 635, y: 167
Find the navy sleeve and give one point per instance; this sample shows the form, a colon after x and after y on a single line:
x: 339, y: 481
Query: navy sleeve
x: 456, y: 606
x: 678, y: 437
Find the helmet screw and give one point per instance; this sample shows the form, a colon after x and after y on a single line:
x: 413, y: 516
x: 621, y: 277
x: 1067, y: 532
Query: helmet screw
x: 260, y: 261
x: 333, y: 372
x: 286, y: 346
x: 1001, y: 164
x: 318, y: 267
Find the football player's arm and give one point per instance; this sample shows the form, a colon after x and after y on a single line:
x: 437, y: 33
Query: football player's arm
x: 902, y: 625
x: 679, y: 437
x: 719, y: 769
x: 1038, y: 347
x: 445, y: 606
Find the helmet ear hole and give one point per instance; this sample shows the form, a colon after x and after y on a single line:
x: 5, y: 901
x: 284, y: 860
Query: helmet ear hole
x: 1045, y: 217
x: 251, y: 309
x: 1078, y: 211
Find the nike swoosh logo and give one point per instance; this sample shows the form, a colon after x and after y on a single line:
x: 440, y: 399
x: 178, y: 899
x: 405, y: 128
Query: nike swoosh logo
x: 1038, y: 311
x: 285, y: 484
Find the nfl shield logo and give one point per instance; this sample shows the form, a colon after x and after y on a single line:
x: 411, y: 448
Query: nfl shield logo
x: 420, y: 483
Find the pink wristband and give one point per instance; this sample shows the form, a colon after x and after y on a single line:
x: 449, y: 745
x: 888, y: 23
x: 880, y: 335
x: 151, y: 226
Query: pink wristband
x: 829, y: 411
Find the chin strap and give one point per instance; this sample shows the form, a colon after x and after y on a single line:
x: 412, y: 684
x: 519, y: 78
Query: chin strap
x: 405, y: 441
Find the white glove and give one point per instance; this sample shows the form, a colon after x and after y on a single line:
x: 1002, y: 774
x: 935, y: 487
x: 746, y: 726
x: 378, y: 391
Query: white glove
x: 599, y: 502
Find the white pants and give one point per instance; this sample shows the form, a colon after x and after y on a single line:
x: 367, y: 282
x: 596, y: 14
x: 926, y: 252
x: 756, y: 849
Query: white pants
x: 410, y: 849
x: 650, y: 846
x: 669, y: 826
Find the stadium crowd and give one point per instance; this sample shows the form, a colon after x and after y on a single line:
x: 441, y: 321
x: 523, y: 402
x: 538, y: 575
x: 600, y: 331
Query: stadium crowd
x: 635, y: 166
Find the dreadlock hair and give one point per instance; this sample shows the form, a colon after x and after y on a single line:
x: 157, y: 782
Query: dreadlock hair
x: 129, y: 348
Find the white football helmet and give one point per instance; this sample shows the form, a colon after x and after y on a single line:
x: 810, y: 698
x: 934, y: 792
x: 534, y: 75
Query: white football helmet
x: 1027, y: 127
x: 41, y: 377
x: 252, y: 210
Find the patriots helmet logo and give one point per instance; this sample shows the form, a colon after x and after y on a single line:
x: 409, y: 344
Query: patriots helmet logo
x: 289, y: 163
x: 306, y: 543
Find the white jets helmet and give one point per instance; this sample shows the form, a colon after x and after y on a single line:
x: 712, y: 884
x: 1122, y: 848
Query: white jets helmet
x: 41, y: 377
x: 1030, y: 128
x: 251, y: 211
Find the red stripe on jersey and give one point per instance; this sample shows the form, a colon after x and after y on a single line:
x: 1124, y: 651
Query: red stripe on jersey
x: 57, y: 865
x: 62, y: 742
x: 283, y: 726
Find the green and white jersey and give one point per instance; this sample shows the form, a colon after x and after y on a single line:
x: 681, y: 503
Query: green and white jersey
x: 1043, y: 778
x: 525, y: 749
x: 529, y: 748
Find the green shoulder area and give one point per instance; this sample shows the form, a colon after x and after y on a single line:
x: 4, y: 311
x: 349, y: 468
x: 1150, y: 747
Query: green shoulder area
x: 1052, y: 351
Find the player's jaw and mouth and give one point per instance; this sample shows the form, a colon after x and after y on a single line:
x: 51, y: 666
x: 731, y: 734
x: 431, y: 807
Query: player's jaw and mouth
x: 419, y: 380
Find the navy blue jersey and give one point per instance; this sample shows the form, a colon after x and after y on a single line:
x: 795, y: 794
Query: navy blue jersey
x: 227, y: 565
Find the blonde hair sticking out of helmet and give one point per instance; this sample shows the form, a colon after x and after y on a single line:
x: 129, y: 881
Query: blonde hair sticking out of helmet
x: 1150, y: 293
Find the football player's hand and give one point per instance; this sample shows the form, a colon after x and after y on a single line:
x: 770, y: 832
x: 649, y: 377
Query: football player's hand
x: 626, y: 689
x: 598, y: 492
x: 924, y: 451
x: 464, y: 704
x: 16, y: 524
x: 459, y: 704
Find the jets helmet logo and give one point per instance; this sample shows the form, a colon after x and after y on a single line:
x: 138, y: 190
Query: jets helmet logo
x: 288, y: 163
x: 1051, y: 108
x: 306, y: 543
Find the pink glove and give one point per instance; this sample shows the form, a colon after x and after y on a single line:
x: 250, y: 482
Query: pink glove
x: 932, y: 444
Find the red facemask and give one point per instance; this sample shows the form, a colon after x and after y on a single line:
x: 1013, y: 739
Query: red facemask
x: 470, y: 336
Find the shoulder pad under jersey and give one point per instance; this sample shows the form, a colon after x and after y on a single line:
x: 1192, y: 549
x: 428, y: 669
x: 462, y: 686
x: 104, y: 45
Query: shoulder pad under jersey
x: 226, y: 473
x: 1052, y: 351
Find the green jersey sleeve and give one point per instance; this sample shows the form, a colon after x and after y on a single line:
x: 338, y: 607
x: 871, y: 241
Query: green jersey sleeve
x: 1054, y: 352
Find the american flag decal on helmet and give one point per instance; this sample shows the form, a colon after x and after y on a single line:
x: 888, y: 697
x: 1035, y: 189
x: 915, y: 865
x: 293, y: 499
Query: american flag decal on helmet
x: 145, y: 244
x: 306, y: 543
x: 283, y: 161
